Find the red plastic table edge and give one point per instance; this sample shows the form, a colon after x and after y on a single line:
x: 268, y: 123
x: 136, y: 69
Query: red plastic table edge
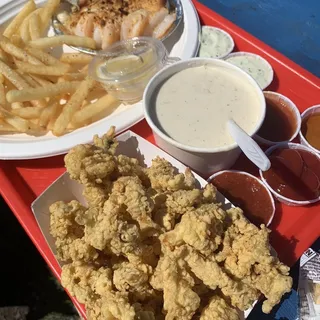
x: 15, y: 200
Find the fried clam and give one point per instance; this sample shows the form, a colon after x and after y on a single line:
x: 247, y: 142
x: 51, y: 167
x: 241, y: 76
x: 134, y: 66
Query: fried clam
x: 151, y: 246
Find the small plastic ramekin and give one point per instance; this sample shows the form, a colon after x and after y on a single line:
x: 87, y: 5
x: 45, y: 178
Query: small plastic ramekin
x: 227, y: 35
x: 267, y: 65
x: 279, y: 197
x: 128, y: 87
x: 256, y: 179
x: 290, y: 105
x: 308, y: 112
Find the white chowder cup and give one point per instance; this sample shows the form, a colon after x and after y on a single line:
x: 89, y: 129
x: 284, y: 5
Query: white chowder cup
x: 202, y: 160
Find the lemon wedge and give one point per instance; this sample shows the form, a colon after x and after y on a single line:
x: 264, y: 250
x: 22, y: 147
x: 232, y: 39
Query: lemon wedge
x: 123, y: 64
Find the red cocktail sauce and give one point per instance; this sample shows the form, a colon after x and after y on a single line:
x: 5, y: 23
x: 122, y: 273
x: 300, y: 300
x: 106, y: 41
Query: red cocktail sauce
x: 280, y: 122
x: 246, y: 193
x: 294, y: 174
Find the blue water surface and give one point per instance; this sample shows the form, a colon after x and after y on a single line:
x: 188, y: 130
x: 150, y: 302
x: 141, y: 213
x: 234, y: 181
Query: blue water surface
x: 289, y: 26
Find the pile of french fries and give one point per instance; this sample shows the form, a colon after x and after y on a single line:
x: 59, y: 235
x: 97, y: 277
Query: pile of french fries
x: 40, y: 92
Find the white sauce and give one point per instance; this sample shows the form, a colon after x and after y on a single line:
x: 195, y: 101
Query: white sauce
x: 194, y: 105
x: 255, y: 66
x: 215, y: 43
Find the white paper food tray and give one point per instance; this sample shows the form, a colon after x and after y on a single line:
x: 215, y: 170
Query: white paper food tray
x: 65, y: 189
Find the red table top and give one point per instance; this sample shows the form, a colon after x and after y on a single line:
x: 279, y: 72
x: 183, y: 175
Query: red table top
x: 294, y: 228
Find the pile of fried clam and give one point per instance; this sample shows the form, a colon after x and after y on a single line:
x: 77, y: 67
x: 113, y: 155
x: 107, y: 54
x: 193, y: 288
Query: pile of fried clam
x: 150, y: 245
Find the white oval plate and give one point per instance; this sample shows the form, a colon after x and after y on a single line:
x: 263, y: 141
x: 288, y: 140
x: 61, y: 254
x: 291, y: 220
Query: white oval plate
x: 184, y: 44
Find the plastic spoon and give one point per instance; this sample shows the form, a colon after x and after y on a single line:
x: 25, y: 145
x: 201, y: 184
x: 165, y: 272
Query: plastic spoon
x: 248, y: 146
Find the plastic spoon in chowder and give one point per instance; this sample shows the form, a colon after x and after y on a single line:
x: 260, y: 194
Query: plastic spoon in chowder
x: 194, y: 105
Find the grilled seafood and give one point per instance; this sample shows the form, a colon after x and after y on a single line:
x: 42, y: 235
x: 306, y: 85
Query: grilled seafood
x: 108, y: 21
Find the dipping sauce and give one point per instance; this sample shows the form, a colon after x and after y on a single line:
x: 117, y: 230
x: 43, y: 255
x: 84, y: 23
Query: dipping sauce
x: 215, y: 43
x: 294, y: 174
x: 194, y: 105
x: 310, y: 129
x: 280, y: 121
x: 246, y: 192
x: 257, y: 67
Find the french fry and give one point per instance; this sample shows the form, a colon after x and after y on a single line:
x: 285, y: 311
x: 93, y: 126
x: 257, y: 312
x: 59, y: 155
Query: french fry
x: 35, y: 27
x: 13, y: 76
x: 28, y: 112
x: 42, y: 70
x: 74, y: 76
x: 48, y: 10
x: 55, y: 117
x: 48, y: 113
x: 42, y: 82
x: 84, y: 69
x: 41, y: 103
x: 76, y: 58
x: 72, y: 106
x: 16, y: 22
x: 1, y: 78
x: 6, y: 58
x: 51, y: 90
x: 16, y: 40
x: 17, y: 52
x: 17, y: 105
x: 105, y: 103
x: 6, y: 127
x: 20, y: 124
x: 25, y: 32
x: 61, y: 40
x: 32, y: 83
x: 44, y: 57
x: 24, y: 28
x: 3, y: 100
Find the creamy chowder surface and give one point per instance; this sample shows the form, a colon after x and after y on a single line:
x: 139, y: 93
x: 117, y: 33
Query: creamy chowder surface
x: 194, y: 105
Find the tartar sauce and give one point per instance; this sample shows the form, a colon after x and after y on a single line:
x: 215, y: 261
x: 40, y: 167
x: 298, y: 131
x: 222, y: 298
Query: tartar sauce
x: 257, y: 67
x: 194, y: 105
x: 215, y: 43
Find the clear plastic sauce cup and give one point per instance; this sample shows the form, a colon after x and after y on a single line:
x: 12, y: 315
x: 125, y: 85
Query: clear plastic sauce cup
x: 126, y: 67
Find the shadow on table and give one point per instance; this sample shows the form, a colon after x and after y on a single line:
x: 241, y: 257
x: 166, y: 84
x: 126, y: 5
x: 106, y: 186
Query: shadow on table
x: 26, y: 283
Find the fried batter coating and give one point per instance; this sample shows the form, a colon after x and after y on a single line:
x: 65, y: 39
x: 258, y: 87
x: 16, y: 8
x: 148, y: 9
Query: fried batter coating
x: 180, y: 301
x: 163, y: 177
x: 130, y: 167
x: 201, y: 228
x: 273, y: 281
x: 218, y: 309
x: 249, y: 258
x: 86, y: 283
x: 70, y: 244
x: 130, y: 192
x: 97, y: 193
x: 111, y: 227
x: 179, y: 202
x: 135, y: 279
x: 63, y: 219
x: 207, y: 269
x: 151, y: 246
x: 88, y: 163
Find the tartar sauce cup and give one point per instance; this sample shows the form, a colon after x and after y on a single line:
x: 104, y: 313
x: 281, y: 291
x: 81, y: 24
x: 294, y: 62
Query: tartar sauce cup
x: 125, y: 68
x: 253, y: 64
x: 314, y: 110
x: 215, y: 43
x: 278, y: 196
x: 295, y: 120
